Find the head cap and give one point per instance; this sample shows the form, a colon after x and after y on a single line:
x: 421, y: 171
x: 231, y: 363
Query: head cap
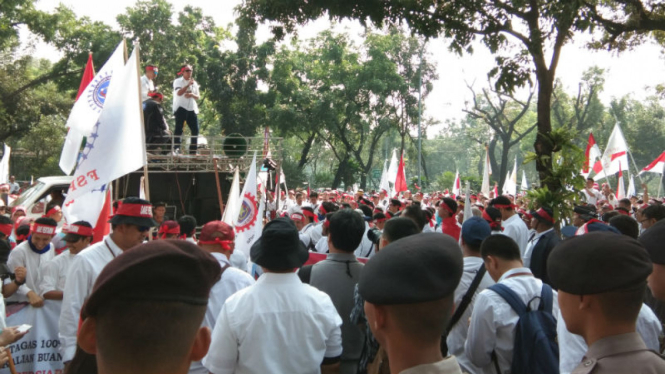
x: 134, y: 211
x: 279, y: 247
x: 652, y: 239
x: 475, y: 230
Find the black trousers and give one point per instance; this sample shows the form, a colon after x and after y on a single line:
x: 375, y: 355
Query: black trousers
x: 181, y: 116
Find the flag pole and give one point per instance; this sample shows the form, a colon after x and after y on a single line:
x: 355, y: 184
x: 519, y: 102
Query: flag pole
x: 660, y: 185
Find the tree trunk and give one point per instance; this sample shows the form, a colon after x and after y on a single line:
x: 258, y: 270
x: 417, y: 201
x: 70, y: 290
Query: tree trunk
x: 339, y: 174
x: 543, y: 145
x: 305, y: 151
x: 505, y: 148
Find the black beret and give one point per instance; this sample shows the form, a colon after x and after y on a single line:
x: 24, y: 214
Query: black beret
x: 162, y: 270
x: 585, y: 210
x: 415, y: 269
x: 653, y: 239
x: 598, y: 262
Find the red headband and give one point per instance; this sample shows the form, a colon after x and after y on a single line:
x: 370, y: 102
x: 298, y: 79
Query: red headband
x: 543, y: 214
x: 169, y: 230
x: 322, y: 210
x: 326, y: 224
x: 135, y: 210
x: 307, y: 213
x: 379, y: 220
x: 53, y: 210
x: 151, y: 68
x: 79, y: 230
x: 505, y: 206
x: 6, y: 228
x: 297, y: 217
x: 224, y: 243
x: 182, y: 69
x: 446, y: 207
x: 156, y: 95
x: 38, y: 228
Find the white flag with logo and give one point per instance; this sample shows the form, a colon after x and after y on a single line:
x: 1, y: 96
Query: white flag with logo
x: 616, y: 153
x: 116, y: 145
x: 233, y: 201
x: 249, y: 223
x: 85, y: 207
x: 88, y: 107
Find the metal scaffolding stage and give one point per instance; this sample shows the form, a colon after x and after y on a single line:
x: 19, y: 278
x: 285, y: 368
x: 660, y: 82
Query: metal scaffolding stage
x: 230, y: 152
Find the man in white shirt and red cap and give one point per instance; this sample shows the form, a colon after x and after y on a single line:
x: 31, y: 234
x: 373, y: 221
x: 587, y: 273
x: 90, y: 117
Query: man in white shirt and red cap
x: 147, y: 84
x: 185, y: 108
x: 78, y: 237
x: 512, y: 223
x: 31, y: 254
x: 130, y: 226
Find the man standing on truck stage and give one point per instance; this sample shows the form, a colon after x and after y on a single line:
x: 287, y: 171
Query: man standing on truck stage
x: 185, y: 94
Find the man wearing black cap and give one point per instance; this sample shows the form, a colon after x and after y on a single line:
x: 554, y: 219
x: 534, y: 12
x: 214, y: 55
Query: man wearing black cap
x: 78, y: 236
x: 218, y: 239
x: 338, y: 275
x: 145, y: 311
x: 130, y: 226
x: 541, y: 243
x: 474, y: 231
x: 601, y: 278
x: 408, y: 289
x: 278, y: 325
x: 653, y: 240
x: 583, y: 214
x: 493, y: 320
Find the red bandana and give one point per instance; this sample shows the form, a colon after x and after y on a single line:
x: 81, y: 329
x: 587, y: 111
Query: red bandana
x: 135, y: 210
x: 38, y: 228
x: 78, y: 230
x: 224, y: 243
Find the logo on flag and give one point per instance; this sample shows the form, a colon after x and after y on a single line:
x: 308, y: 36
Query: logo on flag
x: 248, y: 213
x: 100, y: 87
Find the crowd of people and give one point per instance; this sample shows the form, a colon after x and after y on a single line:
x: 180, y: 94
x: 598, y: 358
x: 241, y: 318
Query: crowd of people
x: 401, y: 284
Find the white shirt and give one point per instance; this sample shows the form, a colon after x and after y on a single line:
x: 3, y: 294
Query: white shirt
x: 22, y: 255
x: 457, y: 335
x: 515, y: 228
x: 54, y: 273
x: 322, y: 245
x: 493, y: 321
x: 232, y: 281
x: 146, y: 86
x: 593, y: 197
x: 366, y: 247
x: 83, y: 272
x: 278, y: 325
x: 572, y: 347
x: 530, y: 245
x: 188, y: 103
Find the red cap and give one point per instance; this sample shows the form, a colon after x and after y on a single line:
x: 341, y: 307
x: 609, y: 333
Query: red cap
x: 213, y: 227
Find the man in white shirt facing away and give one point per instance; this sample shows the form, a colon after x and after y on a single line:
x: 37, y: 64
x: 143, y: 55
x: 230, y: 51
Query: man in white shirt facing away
x: 512, y: 224
x: 278, y: 325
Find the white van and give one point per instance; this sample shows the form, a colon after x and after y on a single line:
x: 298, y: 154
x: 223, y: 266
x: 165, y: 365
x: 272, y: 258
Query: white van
x: 35, y: 198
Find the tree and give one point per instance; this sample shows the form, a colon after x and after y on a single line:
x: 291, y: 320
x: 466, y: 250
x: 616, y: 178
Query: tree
x: 627, y: 23
x: 583, y: 111
x: 502, y: 113
x: 529, y: 31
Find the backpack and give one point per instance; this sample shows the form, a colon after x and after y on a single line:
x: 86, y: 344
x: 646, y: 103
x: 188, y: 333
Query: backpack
x: 535, y: 350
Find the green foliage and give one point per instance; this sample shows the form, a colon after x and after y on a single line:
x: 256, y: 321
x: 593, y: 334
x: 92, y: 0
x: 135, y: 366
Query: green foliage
x: 568, y: 161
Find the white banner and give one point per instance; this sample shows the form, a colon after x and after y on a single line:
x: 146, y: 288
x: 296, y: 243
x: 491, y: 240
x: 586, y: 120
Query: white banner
x: 38, y: 351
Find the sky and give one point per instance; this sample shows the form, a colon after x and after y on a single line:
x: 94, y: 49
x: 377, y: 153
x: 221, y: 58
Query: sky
x: 632, y: 73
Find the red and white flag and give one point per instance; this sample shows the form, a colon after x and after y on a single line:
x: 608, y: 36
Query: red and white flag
x: 116, y: 145
x: 74, y: 138
x: 457, y: 186
x: 621, y: 190
x: 590, y: 155
x: 657, y: 166
x: 615, y: 155
x: 400, y: 182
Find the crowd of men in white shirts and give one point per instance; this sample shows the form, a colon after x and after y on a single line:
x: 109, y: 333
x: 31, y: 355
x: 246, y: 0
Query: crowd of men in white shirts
x: 401, y: 284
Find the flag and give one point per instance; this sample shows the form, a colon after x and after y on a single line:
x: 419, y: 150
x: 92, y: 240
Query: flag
x: 86, y: 111
x: 657, y: 166
x: 591, y: 154
x: 510, y: 185
x: 233, y: 202
x: 4, y: 164
x: 400, y: 182
x: 384, y: 184
x: 467, y: 203
x: 74, y: 138
x: 392, y: 169
x: 616, y: 153
x: 116, y: 144
x: 86, y: 207
x: 248, y: 223
x: 631, y: 188
x: 621, y: 191
x: 485, y: 189
x: 525, y: 183
x: 103, y: 227
x: 456, y: 184
x: 496, y: 190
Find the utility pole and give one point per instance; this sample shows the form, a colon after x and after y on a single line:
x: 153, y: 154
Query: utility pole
x: 420, y: 114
